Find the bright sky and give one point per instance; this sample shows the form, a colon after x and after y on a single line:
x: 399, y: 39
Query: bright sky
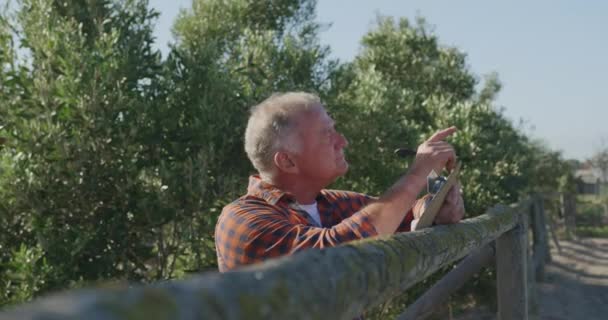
x: 551, y: 55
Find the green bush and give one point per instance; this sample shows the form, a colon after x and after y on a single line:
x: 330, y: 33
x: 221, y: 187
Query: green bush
x: 590, y: 215
x: 23, y: 274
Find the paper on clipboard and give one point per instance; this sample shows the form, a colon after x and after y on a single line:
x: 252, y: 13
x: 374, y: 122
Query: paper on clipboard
x: 432, y: 208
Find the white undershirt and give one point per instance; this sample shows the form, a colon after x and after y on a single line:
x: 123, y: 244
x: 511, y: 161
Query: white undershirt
x: 312, y: 211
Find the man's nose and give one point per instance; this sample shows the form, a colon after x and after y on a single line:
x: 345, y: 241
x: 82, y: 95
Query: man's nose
x: 342, y: 141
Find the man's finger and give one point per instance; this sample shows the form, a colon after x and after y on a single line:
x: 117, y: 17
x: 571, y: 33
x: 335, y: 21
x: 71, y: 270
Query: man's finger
x: 451, y: 164
x: 442, y: 134
x: 452, y: 196
x: 439, y: 144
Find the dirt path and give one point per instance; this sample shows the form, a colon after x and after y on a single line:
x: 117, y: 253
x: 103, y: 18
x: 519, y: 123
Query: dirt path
x: 576, y: 285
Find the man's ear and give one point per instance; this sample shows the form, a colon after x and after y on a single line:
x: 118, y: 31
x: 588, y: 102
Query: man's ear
x: 284, y: 162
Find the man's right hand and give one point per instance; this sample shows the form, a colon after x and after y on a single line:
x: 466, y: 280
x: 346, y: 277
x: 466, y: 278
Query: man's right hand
x: 387, y: 213
x: 434, y: 154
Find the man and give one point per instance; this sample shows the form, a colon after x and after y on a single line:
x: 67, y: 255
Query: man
x: 292, y: 142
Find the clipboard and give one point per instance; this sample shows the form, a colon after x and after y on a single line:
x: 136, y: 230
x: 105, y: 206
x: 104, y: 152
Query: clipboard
x: 432, y: 208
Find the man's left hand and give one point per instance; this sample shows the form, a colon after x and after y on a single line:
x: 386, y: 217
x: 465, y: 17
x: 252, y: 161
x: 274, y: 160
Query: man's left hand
x: 452, y: 209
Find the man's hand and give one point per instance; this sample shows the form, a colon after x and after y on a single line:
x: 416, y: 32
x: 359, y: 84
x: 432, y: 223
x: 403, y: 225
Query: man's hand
x: 388, y: 212
x: 434, y: 154
x: 452, y: 209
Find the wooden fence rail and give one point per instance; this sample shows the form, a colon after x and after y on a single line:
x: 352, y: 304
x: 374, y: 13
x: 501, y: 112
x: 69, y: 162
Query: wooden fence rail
x: 334, y: 283
x: 452, y: 281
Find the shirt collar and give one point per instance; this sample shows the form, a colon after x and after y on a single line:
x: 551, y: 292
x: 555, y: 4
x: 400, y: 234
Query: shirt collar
x: 261, y: 189
x: 264, y: 190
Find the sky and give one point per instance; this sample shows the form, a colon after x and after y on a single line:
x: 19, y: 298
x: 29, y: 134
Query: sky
x: 551, y: 55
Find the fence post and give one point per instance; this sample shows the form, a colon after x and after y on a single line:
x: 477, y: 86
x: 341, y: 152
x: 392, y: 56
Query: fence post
x: 532, y: 293
x: 569, y: 207
x: 511, y: 272
x: 551, y: 225
x: 540, y: 244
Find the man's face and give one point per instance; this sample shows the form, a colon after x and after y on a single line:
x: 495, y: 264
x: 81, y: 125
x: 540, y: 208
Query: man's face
x: 321, y: 158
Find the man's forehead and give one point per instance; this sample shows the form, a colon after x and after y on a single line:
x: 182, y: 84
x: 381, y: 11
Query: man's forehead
x: 310, y: 111
x: 322, y: 115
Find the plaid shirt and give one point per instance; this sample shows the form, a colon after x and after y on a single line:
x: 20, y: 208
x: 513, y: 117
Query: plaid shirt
x: 267, y: 223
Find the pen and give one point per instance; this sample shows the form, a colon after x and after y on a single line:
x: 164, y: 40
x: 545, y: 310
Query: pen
x: 404, y: 152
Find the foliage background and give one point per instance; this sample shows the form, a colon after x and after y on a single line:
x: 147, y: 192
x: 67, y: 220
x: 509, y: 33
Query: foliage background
x: 115, y: 161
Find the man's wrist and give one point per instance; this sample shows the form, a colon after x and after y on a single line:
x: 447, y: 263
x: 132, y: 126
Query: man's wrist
x: 415, y: 181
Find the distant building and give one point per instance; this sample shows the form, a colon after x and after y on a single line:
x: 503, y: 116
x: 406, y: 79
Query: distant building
x: 588, y: 180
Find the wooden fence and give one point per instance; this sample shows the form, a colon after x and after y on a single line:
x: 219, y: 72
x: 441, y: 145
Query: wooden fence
x: 336, y: 283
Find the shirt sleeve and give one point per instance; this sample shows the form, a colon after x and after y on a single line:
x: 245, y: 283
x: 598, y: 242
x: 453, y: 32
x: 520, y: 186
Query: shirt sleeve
x: 249, y: 233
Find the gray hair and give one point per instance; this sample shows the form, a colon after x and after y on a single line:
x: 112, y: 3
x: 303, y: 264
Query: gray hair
x: 271, y: 127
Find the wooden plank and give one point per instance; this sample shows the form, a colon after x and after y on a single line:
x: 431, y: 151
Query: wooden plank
x: 511, y: 273
x: 452, y: 281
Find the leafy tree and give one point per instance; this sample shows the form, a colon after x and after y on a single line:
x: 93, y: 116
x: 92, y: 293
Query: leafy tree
x: 492, y: 86
x: 548, y: 169
x: 22, y: 267
x: 77, y: 152
x: 600, y: 159
x: 418, y: 63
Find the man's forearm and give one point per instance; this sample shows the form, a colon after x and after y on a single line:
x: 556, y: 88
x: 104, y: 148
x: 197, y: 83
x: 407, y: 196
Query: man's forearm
x: 387, y: 213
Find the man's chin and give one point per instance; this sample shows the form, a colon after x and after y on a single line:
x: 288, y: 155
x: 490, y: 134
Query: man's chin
x: 343, y: 168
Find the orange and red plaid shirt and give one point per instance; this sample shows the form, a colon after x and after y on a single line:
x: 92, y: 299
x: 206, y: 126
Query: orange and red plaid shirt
x: 268, y: 222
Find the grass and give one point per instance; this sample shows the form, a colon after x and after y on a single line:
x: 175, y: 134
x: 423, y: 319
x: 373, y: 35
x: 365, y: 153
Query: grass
x: 591, y: 218
x: 593, y: 232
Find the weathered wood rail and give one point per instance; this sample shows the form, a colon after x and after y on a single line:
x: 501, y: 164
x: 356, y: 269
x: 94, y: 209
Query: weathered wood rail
x: 335, y: 283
